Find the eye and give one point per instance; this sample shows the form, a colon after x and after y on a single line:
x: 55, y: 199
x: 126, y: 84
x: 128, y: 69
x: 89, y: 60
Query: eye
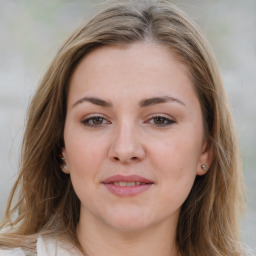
x: 95, y: 121
x: 161, y: 121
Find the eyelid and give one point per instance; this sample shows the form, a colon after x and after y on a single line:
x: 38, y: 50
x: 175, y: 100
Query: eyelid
x: 94, y: 115
x: 167, y: 117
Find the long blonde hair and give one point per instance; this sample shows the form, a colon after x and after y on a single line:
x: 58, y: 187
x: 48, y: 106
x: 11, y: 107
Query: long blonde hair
x: 47, y: 203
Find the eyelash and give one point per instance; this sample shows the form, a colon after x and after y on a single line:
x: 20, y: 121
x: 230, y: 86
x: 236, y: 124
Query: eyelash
x: 166, y: 121
x: 86, y: 122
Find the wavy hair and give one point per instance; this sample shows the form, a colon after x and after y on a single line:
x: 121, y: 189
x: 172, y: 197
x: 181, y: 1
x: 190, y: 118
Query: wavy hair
x: 47, y: 203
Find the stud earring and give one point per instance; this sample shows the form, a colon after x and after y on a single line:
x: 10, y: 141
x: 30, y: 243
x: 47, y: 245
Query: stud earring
x: 203, y: 166
x: 63, y: 164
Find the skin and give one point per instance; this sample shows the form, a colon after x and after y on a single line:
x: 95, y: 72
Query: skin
x: 163, y: 142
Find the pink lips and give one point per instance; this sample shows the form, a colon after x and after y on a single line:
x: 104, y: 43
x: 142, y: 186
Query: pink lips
x: 127, y: 185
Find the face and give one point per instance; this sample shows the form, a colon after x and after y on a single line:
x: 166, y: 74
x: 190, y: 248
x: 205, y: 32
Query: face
x: 134, y: 139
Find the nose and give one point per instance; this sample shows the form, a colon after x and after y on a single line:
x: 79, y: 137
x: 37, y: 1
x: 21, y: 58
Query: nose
x: 126, y: 146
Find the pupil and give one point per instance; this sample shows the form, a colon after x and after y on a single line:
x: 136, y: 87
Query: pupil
x: 98, y: 120
x: 159, y: 120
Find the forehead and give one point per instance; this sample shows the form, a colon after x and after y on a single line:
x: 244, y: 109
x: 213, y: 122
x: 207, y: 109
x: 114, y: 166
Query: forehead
x: 139, y: 69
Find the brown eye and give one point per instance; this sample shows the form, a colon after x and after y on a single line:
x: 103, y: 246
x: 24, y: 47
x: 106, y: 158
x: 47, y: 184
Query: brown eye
x: 95, y: 121
x: 161, y: 121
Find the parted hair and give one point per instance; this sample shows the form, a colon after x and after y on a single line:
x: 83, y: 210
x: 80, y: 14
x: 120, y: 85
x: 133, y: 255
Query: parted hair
x: 46, y: 201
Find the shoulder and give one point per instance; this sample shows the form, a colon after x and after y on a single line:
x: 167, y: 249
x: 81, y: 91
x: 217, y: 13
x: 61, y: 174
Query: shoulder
x: 53, y: 247
x: 45, y: 247
x: 248, y: 251
x: 12, y: 252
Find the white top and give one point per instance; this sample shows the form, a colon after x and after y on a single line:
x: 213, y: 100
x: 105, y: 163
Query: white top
x: 50, y: 247
x: 46, y: 247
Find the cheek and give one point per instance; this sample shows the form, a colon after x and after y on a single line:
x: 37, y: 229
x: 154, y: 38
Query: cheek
x: 85, y: 155
x: 84, y: 163
x: 176, y: 161
x: 178, y: 154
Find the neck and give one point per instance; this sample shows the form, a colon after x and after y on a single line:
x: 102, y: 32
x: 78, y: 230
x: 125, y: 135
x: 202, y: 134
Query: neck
x: 100, y: 240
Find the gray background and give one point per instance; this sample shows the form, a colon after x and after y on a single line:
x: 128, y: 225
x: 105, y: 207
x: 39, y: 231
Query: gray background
x: 32, y: 31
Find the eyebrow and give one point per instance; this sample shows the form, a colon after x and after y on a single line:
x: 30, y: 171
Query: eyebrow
x: 95, y: 101
x: 158, y: 100
x: 142, y: 103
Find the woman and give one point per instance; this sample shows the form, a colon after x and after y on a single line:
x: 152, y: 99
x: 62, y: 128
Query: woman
x: 130, y: 146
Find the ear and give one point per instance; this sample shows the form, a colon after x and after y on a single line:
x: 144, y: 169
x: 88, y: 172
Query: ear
x: 64, y: 165
x: 205, y: 158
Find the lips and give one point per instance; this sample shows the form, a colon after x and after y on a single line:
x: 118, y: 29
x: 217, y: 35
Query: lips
x: 125, y: 186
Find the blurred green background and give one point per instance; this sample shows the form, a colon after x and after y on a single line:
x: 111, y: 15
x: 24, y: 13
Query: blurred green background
x: 32, y: 31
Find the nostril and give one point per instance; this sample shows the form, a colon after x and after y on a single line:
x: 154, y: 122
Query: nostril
x: 134, y: 158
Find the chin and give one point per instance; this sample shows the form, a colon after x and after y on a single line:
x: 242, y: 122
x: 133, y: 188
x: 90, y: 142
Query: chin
x: 129, y: 222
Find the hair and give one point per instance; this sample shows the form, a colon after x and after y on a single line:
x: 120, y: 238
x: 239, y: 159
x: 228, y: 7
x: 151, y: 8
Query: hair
x: 47, y: 203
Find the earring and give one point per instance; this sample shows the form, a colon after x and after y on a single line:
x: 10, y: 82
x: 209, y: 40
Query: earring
x: 63, y: 164
x: 203, y: 166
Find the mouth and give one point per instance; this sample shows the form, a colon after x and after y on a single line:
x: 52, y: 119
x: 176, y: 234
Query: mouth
x: 126, y: 186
